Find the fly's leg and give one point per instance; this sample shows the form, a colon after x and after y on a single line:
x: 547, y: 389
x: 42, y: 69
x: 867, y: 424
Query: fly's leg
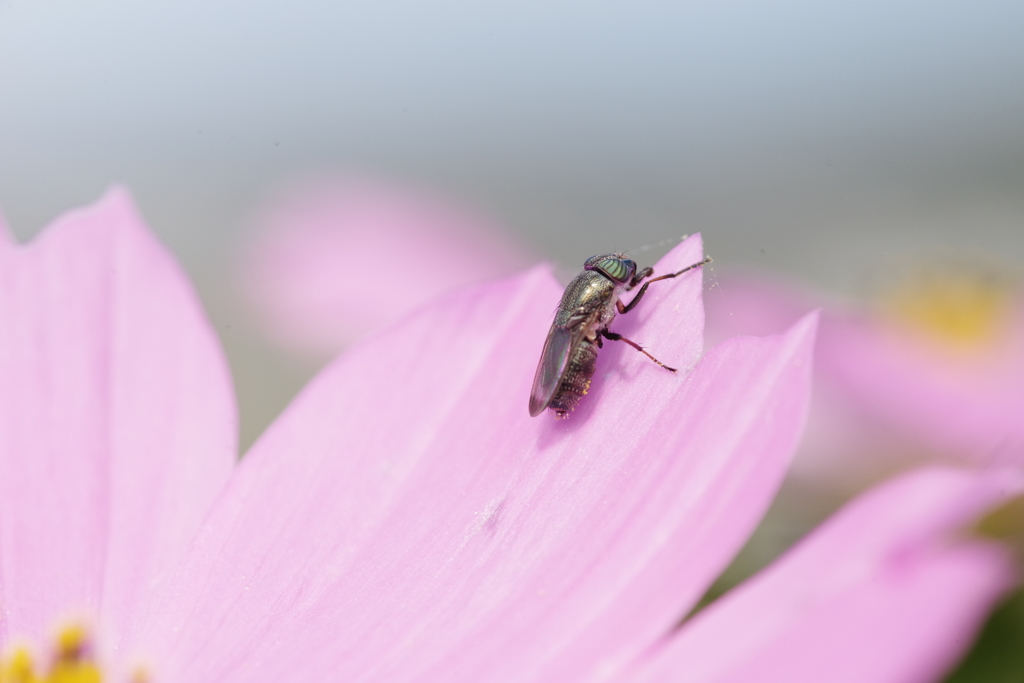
x: 636, y: 299
x: 640, y: 277
x: 618, y: 337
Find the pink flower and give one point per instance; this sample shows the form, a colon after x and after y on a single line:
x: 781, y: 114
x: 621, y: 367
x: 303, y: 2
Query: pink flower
x: 335, y: 260
x: 936, y: 374
x: 405, y: 519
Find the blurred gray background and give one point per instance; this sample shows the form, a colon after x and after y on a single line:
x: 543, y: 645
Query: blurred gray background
x: 824, y: 139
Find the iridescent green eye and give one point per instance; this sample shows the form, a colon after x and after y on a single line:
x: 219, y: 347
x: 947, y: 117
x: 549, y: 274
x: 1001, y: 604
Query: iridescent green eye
x: 612, y: 266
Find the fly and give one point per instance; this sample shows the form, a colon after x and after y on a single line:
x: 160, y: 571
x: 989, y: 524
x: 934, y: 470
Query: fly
x: 587, y: 308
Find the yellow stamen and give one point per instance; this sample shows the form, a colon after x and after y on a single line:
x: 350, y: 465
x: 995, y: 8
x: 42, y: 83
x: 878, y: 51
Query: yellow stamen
x: 961, y: 307
x: 72, y: 661
x: 18, y: 667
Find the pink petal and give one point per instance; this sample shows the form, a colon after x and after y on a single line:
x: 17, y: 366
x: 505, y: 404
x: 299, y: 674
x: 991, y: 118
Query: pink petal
x: 884, y: 591
x: 971, y: 406
x: 406, y: 519
x: 117, y: 422
x: 884, y: 397
x: 337, y: 260
x: 845, y: 448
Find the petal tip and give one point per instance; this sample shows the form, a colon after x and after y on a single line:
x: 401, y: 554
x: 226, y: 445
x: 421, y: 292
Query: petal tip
x: 118, y: 206
x: 687, y: 252
x: 807, y: 326
x: 115, y: 211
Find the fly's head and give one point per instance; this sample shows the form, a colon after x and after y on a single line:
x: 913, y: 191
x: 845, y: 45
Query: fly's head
x: 615, y: 267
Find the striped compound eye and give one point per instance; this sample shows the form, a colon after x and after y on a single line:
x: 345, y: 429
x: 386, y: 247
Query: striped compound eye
x: 612, y: 266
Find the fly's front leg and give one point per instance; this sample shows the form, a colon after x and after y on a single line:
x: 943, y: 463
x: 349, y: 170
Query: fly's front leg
x: 636, y: 299
x: 640, y: 277
x: 618, y: 337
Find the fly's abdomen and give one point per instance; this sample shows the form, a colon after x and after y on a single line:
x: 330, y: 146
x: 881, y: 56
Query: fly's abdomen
x: 576, y: 380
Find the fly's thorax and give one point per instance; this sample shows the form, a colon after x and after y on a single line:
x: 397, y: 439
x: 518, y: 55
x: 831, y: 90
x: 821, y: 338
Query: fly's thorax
x: 590, y: 296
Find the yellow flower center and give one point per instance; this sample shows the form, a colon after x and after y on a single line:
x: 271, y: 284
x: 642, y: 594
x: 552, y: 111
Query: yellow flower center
x: 72, y: 661
x: 960, y: 307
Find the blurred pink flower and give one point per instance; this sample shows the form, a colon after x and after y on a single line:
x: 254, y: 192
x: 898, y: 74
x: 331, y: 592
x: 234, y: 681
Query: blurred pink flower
x: 936, y: 374
x: 877, y: 593
x: 334, y: 260
x: 406, y: 520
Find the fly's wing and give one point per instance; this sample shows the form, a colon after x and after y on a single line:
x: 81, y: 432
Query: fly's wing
x: 553, y: 361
